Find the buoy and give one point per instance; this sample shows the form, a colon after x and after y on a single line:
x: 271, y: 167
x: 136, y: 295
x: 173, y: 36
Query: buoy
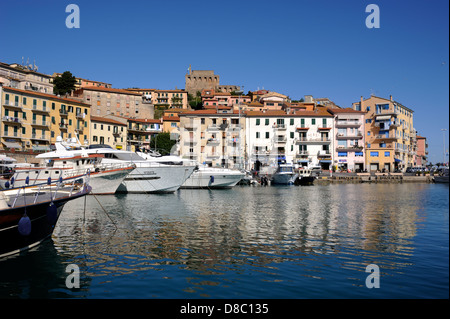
x: 49, y: 180
x: 7, y: 184
x: 24, y: 225
x: 52, y: 214
x: 12, y: 181
x: 211, y: 179
x: 27, y: 180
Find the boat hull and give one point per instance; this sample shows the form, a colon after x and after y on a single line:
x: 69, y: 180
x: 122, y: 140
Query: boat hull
x: 42, y: 225
x: 156, y: 179
x: 282, y: 179
x: 200, y: 179
x: 441, y: 179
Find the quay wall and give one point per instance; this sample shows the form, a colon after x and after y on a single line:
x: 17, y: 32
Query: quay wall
x: 381, y: 178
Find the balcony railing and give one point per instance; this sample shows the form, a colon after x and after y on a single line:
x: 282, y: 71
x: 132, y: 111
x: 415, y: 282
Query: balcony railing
x: 281, y: 127
x: 11, y: 119
x: 39, y: 137
x: 12, y: 104
x: 305, y: 140
x: 348, y: 123
x: 44, y: 109
x: 350, y: 136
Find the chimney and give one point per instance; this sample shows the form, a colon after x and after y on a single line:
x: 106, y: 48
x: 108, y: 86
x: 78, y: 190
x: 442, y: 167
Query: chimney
x: 391, y: 97
x: 361, y: 98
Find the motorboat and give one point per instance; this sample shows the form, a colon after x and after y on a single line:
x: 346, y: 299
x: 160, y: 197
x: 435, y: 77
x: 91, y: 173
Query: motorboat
x: 65, y: 163
x: 213, y: 178
x: 443, y: 177
x: 29, y: 214
x: 305, y: 177
x: 284, y: 175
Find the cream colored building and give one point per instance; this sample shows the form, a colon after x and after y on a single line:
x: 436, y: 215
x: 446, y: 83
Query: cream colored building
x: 25, y: 77
x: 213, y: 137
x: 109, y: 130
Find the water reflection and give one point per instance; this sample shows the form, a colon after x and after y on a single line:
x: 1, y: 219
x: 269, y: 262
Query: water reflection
x: 208, y: 243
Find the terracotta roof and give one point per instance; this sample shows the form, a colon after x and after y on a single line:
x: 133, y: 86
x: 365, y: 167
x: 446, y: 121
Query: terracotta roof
x: 346, y: 110
x: 49, y: 96
x: 209, y: 112
x: 149, y: 121
x: 320, y: 112
x: 106, y: 120
x: 119, y: 91
x: 171, y: 119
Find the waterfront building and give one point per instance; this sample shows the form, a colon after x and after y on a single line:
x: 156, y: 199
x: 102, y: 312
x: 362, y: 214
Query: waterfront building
x: 25, y: 77
x: 140, y: 132
x: 213, y: 137
x: 389, y: 134
x: 32, y: 120
x: 349, y: 144
x: 301, y: 137
x: 109, y: 130
x: 421, y: 151
x: 108, y: 101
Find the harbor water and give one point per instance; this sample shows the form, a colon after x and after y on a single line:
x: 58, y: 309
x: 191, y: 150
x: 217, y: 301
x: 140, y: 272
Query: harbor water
x: 247, y: 242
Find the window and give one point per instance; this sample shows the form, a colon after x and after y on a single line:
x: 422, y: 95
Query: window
x: 258, y: 121
x: 267, y: 122
x: 374, y: 154
x: 257, y: 134
x: 324, y: 122
x: 368, y: 109
x: 313, y: 121
x: 383, y: 145
x: 267, y: 134
x: 24, y: 101
x: 359, y: 154
x: 292, y: 134
x: 368, y: 133
x: 292, y: 122
x: 342, y: 154
x: 387, y: 154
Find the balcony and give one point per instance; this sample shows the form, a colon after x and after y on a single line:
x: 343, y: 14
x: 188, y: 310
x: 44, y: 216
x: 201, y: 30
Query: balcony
x: 324, y: 153
x: 42, y: 109
x: 385, y: 137
x: 341, y: 136
x: 63, y: 126
x: 213, y: 128
x: 79, y: 129
x: 63, y: 112
x: 12, y: 134
x: 349, y: 148
x: 213, y: 141
x: 11, y: 104
x: 279, y: 127
x: 389, y: 111
x: 235, y: 127
x: 348, y: 123
x: 40, y: 123
x: 280, y: 140
x: 81, y: 116
x: 302, y: 128
x: 307, y: 140
x: 11, y: 119
x: 40, y: 137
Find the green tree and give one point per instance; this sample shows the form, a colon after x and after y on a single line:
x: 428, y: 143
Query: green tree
x: 162, y: 143
x: 195, y: 102
x: 64, y: 84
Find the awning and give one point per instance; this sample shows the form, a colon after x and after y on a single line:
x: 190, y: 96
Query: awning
x: 325, y: 161
x: 383, y: 117
x: 398, y: 160
x: 302, y: 161
x: 12, y: 145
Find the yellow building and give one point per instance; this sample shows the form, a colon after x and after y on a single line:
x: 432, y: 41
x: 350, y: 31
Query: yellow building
x: 32, y: 120
x: 389, y: 134
x: 110, y: 131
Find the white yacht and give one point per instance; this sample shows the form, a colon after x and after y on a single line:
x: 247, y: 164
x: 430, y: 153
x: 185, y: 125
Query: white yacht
x: 151, y: 175
x: 63, y: 164
x: 213, y: 177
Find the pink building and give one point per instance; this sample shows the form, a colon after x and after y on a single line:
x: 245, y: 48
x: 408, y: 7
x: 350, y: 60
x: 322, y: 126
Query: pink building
x: 422, y: 153
x: 349, y: 146
x: 213, y: 98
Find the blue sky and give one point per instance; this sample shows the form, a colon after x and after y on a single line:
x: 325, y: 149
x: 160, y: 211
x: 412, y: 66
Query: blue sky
x: 321, y: 48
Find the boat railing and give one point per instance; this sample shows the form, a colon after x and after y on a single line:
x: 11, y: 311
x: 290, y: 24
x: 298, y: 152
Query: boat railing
x: 63, y: 186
